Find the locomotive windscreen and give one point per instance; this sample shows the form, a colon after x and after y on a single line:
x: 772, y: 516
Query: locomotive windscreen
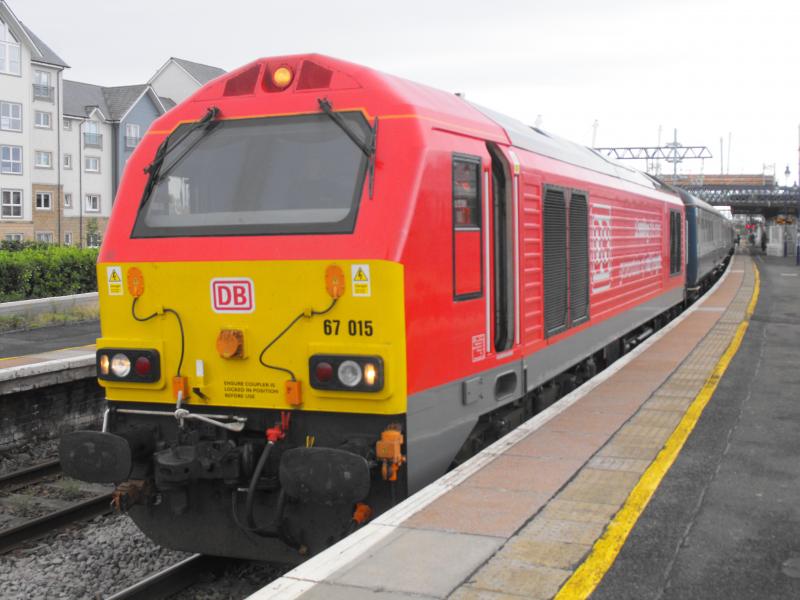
x: 278, y: 175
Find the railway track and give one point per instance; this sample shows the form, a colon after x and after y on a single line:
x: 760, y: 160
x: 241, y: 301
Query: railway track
x: 171, y: 580
x: 59, y: 516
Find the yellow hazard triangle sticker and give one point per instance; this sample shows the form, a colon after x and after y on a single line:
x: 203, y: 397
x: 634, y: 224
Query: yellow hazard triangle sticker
x: 114, y: 276
x: 362, y: 285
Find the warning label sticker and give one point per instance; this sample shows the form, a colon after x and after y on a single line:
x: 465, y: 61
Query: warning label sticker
x: 361, y: 280
x: 115, y: 281
x: 478, y: 347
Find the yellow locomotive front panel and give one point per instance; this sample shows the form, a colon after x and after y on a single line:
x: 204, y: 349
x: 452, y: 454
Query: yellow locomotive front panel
x: 231, y: 311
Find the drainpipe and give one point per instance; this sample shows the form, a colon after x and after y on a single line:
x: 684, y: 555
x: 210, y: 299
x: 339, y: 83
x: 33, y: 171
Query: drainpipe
x: 80, y: 184
x: 114, y: 158
x: 59, y: 159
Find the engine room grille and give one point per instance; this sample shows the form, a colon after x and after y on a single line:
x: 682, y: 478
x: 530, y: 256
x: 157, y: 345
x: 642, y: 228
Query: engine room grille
x: 554, y: 233
x: 578, y: 258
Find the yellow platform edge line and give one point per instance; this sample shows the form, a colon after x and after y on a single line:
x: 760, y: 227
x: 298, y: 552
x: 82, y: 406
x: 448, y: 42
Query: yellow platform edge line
x: 590, y: 573
x: 45, y: 352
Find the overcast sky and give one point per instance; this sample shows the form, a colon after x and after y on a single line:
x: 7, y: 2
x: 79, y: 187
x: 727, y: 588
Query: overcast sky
x: 706, y: 67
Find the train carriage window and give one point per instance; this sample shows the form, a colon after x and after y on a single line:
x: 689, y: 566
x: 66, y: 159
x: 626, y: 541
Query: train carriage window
x: 675, y: 243
x: 467, y: 256
x: 466, y: 198
x: 275, y: 175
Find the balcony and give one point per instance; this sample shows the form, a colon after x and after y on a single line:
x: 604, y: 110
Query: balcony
x: 93, y: 140
x: 43, y: 92
x: 131, y: 141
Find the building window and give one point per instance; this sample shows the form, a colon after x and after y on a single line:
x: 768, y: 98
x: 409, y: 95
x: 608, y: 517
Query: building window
x: 68, y: 200
x: 92, y: 164
x: 42, y: 119
x: 10, y: 61
x: 41, y: 78
x: 44, y: 200
x: 91, y: 135
x: 68, y: 238
x: 10, y: 116
x: 67, y: 124
x: 11, y: 204
x: 44, y: 236
x: 93, y: 240
x: 11, y: 159
x: 13, y: 237
x: 68, y: 161
x: 42, y: 90
x: 132, y: 135
x: 92, y: 202
x: 43, y: 160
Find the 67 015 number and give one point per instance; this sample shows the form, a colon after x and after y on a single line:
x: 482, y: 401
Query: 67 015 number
x: 354, y: 327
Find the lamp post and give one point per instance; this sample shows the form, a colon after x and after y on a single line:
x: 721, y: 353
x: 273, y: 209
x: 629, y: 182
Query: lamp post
x: 786, y: 174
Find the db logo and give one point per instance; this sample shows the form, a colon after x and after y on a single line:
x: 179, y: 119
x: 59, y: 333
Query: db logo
x: 232, y: 295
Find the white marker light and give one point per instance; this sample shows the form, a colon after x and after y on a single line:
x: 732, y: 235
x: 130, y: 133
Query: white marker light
x: 349, y: 373
x: 120, y: 365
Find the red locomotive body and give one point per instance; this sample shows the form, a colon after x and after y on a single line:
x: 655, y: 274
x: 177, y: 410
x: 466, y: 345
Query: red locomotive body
x: 526, y: 261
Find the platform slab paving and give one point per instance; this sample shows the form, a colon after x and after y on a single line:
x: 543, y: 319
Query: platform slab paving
x: 529, y: 552
x: 33, y: 371
x: 602, y: 486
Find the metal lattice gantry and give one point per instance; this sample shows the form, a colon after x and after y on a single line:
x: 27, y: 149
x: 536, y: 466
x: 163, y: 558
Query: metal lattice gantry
x: 669, y: 153
x: 750, y: 199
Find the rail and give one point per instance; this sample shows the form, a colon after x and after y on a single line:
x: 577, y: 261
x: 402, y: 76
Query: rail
x: 169, y: 581
x: 40, y: 526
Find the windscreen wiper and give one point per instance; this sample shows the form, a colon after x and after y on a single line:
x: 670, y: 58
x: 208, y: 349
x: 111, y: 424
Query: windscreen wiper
x: 367, y: 146
x: 154, y: 168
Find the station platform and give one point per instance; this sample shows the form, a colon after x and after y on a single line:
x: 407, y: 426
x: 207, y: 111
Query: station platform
x: 546, y: 511
x: 33, y: 371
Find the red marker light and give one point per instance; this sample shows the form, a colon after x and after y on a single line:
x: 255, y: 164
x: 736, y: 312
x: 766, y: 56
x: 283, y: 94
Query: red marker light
x: 323, y: 372
x: 142, y: 366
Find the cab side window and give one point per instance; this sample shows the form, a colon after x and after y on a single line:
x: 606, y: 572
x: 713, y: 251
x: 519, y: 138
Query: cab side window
x: 467, y: 227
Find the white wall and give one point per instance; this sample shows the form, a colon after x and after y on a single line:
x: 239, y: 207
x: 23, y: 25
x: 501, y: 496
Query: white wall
x: 174, y: 82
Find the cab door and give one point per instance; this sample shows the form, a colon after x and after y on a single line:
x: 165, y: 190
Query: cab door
x: 502, y: 256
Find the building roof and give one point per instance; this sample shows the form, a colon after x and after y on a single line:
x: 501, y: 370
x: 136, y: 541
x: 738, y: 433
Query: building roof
x: 119, y: 99
x: 202, y: 73
x: 46, y: 54
x: 114, y: 102
x: 168, y: 103
x: 80, y: 98
x: 40, y: 52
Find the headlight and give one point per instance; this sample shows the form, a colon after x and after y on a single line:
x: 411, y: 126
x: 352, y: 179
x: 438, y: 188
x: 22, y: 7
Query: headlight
x: 128, y: 364
x: 120, y: 365
x: 349, y: 373
x: 346, y: 372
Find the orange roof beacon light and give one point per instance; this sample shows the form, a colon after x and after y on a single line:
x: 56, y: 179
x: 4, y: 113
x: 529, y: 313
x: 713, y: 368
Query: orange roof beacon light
x: 282, y: 77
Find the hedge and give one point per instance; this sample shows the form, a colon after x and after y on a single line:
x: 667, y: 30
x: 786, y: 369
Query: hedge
x: 32, y: 270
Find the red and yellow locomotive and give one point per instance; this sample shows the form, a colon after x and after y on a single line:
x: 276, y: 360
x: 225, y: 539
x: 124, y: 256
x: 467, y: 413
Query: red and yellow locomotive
x: 322, y: 285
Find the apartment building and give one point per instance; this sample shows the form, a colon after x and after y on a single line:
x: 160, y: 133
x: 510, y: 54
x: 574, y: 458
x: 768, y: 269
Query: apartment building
x: 63, y: 143
x: 31, y: 100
